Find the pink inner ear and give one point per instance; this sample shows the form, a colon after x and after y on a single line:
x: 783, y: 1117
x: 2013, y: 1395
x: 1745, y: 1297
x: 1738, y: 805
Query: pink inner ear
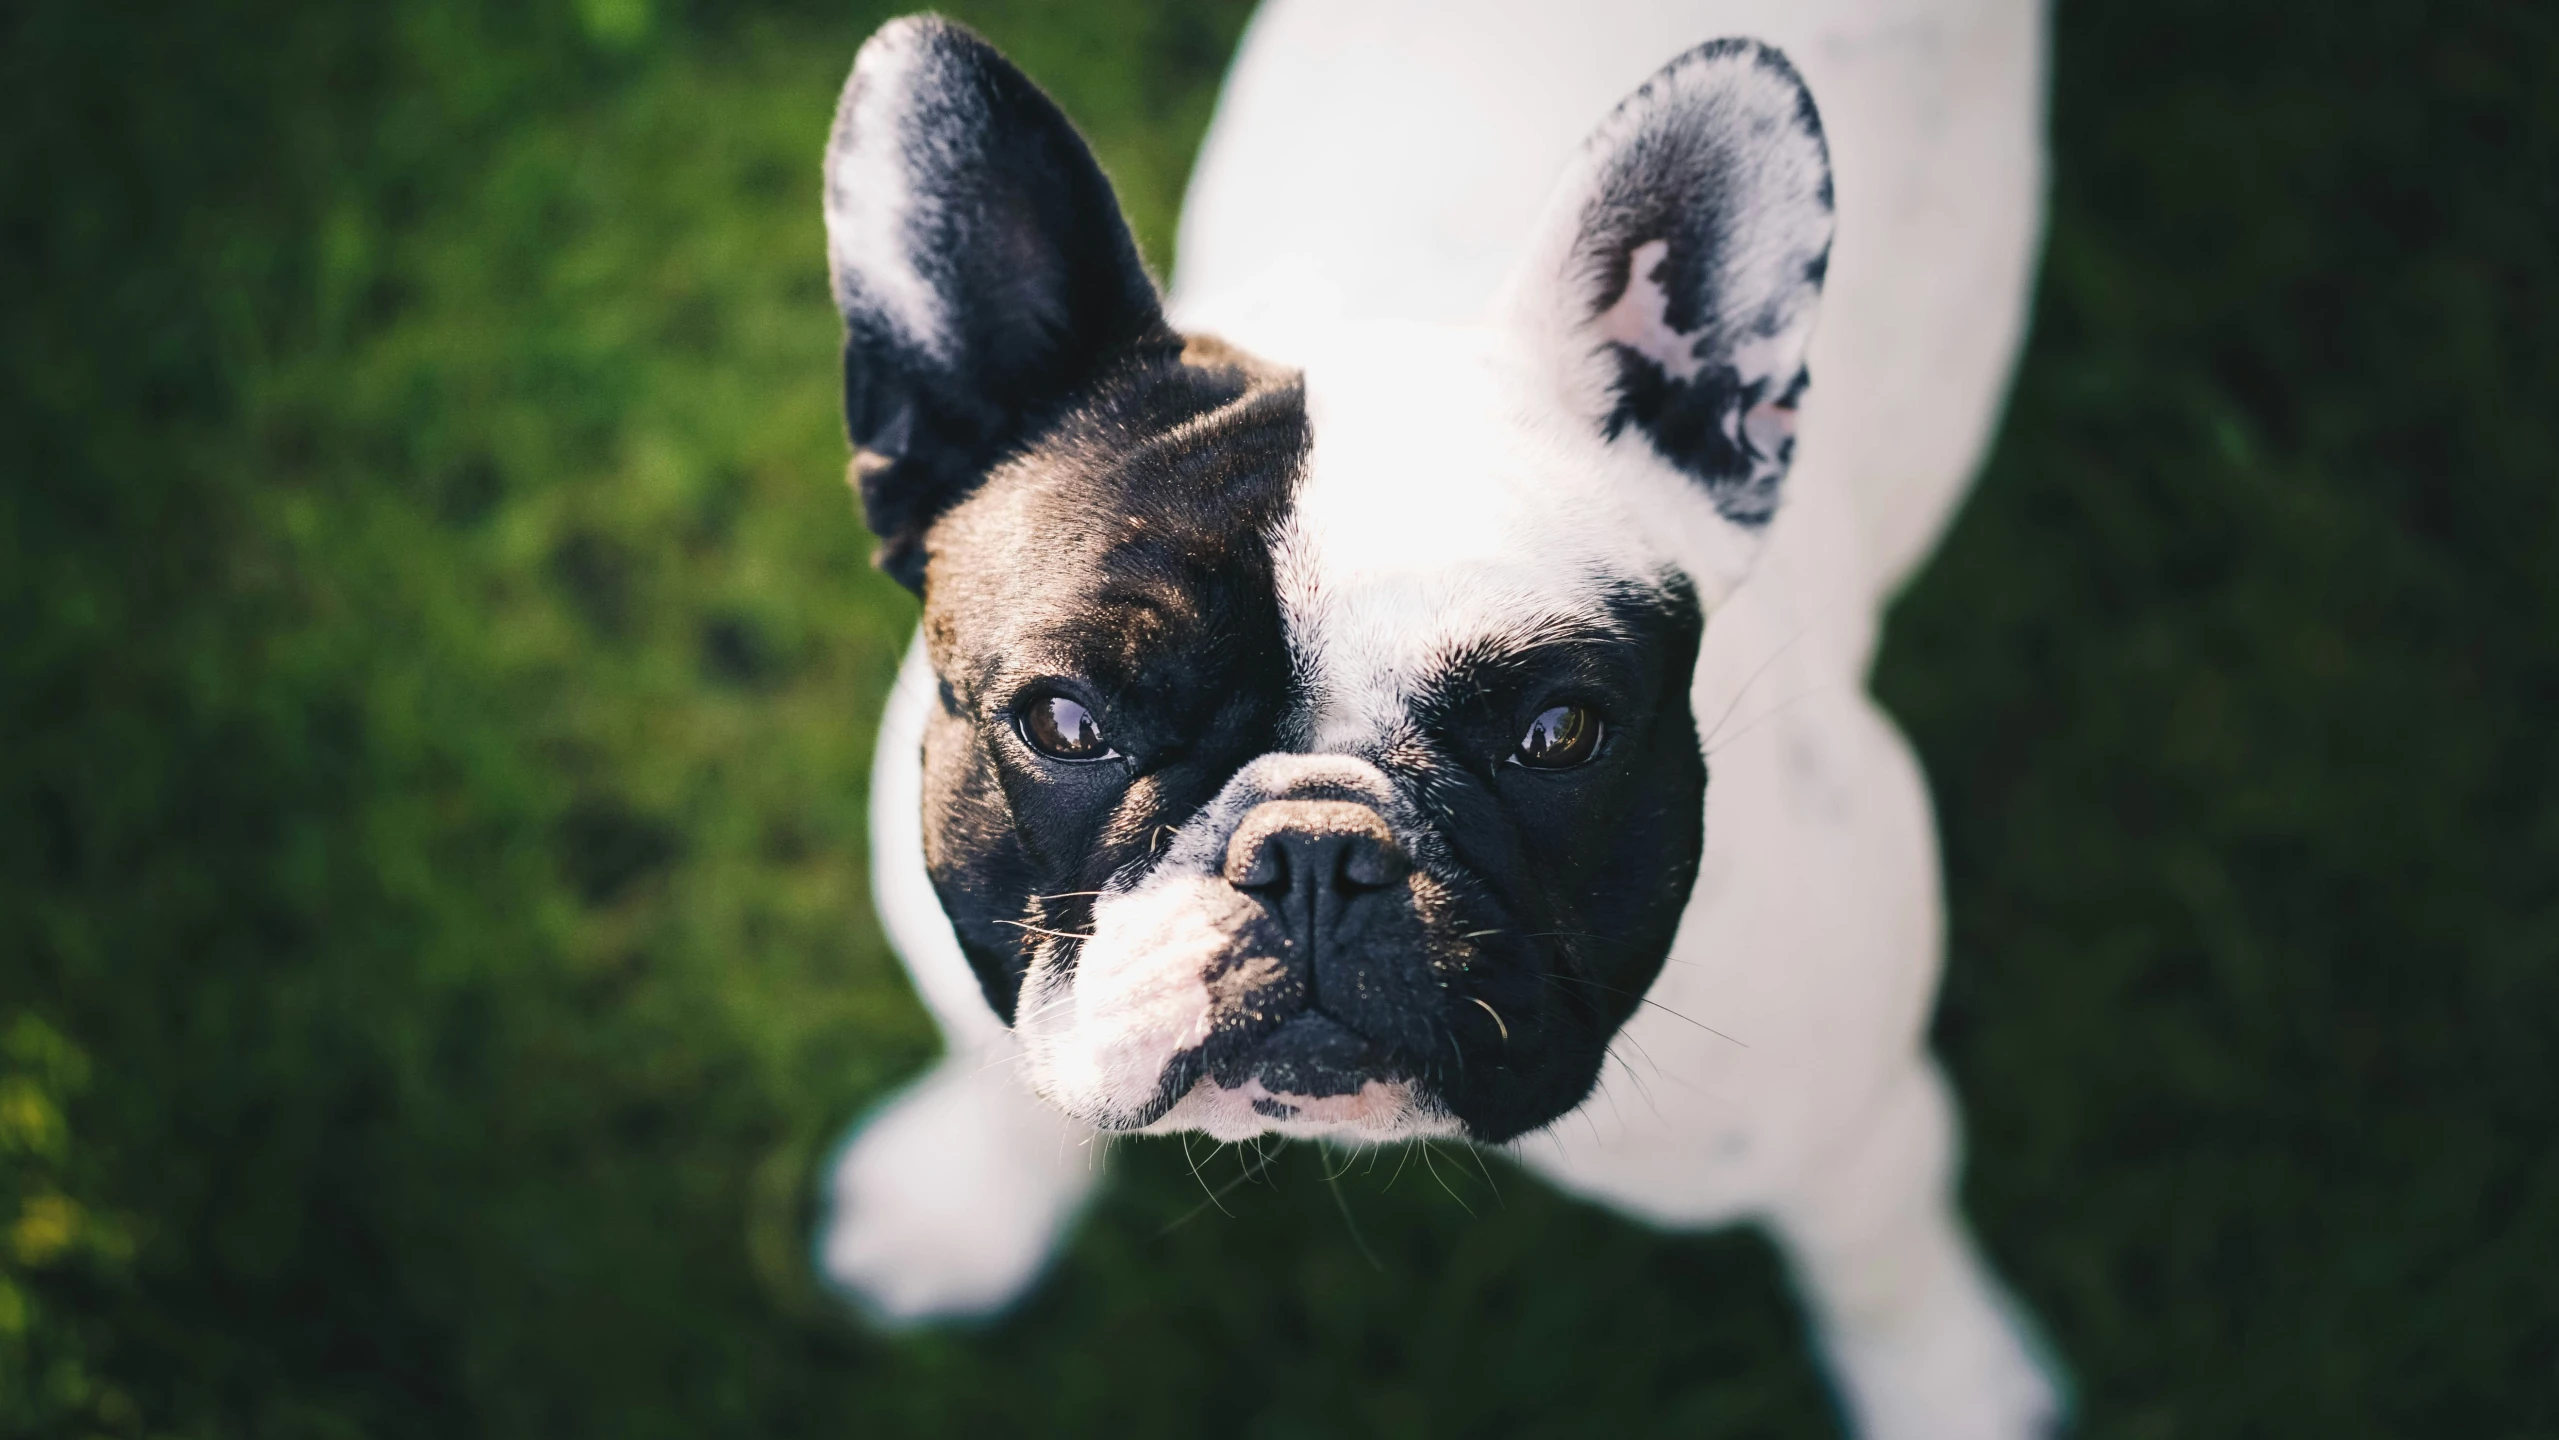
x: 1767, y: 426
x: 1640, y: 320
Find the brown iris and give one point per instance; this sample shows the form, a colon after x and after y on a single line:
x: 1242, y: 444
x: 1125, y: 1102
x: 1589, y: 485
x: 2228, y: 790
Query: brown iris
x: 1559, y: 739
x: 1061, y: 729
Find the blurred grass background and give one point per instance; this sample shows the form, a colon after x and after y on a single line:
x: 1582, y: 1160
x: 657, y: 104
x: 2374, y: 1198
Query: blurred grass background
x: 440, y: 663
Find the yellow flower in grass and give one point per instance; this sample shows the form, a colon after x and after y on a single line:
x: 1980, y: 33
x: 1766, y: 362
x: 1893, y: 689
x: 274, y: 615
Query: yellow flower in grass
x: 29, y: 1122
x: 47, y: 1226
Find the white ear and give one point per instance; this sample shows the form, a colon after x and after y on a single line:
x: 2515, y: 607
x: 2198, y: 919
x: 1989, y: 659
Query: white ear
x: 1674, y: 279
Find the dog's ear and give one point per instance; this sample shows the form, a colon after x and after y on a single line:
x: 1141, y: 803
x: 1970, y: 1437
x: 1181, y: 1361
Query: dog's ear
x: 981, y: 264
x: 1674, y: 279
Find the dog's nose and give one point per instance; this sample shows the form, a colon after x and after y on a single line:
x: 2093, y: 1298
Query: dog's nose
x: 1309, y: 856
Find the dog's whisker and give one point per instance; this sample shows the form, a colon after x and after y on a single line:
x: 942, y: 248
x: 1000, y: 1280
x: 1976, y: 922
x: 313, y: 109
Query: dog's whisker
x: 1041, y: 930
x: 1707, y: 744
x: 1342, y: 1203
x: 1780, y: 708
x: 1442, y: 1180
x: 1641, y: 1087
x: 1647, y: 1000
x: 1404, y: 1155
x: 1476, y: 1153
x: 1215, y: 1197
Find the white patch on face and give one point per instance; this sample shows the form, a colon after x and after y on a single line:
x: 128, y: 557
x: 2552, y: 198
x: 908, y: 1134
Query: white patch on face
x: 873, y: 210
x: 1097, y: 1038
x: 1444, y: 507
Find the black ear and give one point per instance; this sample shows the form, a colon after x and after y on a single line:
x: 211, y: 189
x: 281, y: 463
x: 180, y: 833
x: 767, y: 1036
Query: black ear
x: 981, y: 264
x: 1677, y: 274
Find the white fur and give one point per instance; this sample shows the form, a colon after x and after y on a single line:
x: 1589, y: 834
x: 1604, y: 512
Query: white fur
x: 873, y: 207
x: 964, y: 1185
x: 1429, y: 517
x: 901, y: 887
x: 1099, y: 1040
x: 1375, y: 172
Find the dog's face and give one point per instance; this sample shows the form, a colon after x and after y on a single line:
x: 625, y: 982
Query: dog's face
x: 1313, y: 751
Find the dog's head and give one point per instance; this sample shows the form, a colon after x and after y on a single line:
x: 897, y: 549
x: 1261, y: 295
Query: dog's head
x: 1313, y: 749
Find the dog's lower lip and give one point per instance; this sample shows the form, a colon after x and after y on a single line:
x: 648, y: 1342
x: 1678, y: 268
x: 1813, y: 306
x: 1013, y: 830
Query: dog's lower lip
x: 1179, y: 1076
x: 1313, y: 1054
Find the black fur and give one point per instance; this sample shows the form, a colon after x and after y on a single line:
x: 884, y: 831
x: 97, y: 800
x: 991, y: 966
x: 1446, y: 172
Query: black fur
x: 1014, y: 228
x: 1583, y: 873
x: 1121, y: 560
x: 1540, y: 905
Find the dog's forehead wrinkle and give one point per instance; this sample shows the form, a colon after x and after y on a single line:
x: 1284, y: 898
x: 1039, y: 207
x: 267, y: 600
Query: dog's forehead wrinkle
x: 1128, y: 544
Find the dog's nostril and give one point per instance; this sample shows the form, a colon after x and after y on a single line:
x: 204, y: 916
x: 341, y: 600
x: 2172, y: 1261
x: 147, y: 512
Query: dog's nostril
x: 1372, y: 864
x: 1335, y: 844
x: 1263, y: 865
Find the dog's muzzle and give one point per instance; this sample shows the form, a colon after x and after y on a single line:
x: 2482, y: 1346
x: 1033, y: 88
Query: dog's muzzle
x: 1330, y: 989
x: 1322, y: 870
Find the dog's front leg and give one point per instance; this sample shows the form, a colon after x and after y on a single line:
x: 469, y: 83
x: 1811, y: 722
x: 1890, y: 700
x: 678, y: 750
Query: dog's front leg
x: 1921, y: 1341
x: 949, y: 1199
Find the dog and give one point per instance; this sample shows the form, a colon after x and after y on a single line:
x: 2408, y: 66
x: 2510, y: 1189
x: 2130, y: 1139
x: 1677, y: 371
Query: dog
x: 1356, y: 694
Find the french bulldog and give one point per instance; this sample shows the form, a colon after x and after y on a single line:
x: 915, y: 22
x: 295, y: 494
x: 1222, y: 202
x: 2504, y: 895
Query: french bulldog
x: 1411, y: 682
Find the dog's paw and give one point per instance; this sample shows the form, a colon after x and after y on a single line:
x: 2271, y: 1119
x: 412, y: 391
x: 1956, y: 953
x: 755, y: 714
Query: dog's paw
x: 1977, y: 1369
x: 947, y: 1201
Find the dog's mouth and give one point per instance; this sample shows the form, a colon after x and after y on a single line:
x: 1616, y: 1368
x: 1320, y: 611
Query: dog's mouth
x: 1311, y: 1073
x: 1307, y: 967
x: 1311, y: 1054
x: 1377, y: 1112
x: 1311, y: 1076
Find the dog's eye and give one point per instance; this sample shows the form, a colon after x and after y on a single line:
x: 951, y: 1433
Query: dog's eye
x: 1559, y: 739
x: 1063, y: 730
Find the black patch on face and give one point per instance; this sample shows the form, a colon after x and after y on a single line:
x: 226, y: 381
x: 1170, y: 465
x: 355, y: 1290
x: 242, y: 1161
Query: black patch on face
x: 1579, y: 875
x: 1744, y: 255
x: 1121, y: 561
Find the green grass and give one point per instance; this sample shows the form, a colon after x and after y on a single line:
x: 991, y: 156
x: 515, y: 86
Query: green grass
x: 441, y: 658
